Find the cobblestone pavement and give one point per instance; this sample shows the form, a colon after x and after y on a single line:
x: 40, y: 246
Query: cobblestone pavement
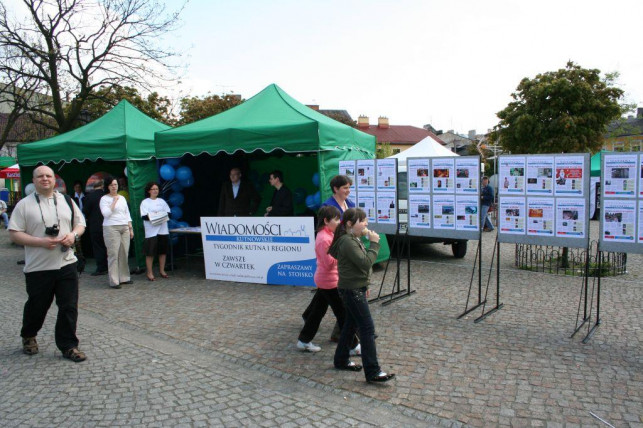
x: 191, y: 351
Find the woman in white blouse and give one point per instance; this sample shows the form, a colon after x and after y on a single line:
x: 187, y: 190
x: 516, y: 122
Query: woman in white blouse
x: 117, y: 232
x: 157, y: 236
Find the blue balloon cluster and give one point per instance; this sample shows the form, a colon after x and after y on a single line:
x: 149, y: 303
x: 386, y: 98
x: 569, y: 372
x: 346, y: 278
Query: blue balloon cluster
x: 178, y: 177
x: 313, y: 201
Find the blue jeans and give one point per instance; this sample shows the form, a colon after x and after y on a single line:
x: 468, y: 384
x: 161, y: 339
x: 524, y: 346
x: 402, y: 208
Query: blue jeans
x: 358, y: 318
x: 484, y: 219
x: 5, y: 220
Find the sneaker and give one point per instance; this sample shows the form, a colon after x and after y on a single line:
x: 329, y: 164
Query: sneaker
x: 309, y: 347
x: 356, y: 351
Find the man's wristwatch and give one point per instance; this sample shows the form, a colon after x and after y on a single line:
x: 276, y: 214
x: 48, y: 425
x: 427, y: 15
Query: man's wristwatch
x: 76, y: 236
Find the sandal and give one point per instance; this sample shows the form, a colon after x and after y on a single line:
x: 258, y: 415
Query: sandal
x: 29, y: 345
x: 151, y: 279
x: 75, y: 355
x: 164, y: 275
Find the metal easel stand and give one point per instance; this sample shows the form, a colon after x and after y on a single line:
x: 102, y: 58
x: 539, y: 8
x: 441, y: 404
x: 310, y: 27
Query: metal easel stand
x: 583, y: 293
x: 404, y: 243
x: 592, y: 330
x: 496, y: 252
x: 478, y: 260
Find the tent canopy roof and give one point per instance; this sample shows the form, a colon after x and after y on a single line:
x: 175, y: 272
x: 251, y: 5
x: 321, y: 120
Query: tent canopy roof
x: 123, y: 133
x: 595, y: 164
x: 268, y: 121
x: 428, y: 147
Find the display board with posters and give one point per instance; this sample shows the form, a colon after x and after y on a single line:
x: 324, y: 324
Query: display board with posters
x: 271, y: 250
x: 444, y: 197
x: 347, y: 168
x: 621, y: 202
x: 375, y: 191
x: 544, y: 199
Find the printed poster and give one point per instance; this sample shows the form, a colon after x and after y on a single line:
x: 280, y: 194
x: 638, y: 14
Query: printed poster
x: 512, y: 215
x: 467, y: 213
x: 620, y: 175
x: 570, y: 218
x: 387, y: 174
x: 540, y: 216
x: 264, y: 250
x: 640, y: 240
x: 386, y: 208
x: 569, y: 175
x: 443, y: 175
x: 512, y: 175
x: 540, y: 172
x: 420, y: 211
x: 365, y: 174
x: 347, y: 168
x: 418, y: 175
x: 366, y: 201
x: 467, y: 175
x: 619, y: 221
x: 444, y: 212
x: 641, y: 176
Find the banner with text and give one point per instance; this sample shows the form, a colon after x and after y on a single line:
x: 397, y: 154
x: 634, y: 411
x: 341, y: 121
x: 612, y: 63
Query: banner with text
x: 280, y: 250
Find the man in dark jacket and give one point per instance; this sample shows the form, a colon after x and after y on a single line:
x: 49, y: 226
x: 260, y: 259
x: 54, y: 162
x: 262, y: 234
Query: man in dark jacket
x: 487, y: 199
x: 281, y: 203
x: 91, y: 209
x: 238, y: 198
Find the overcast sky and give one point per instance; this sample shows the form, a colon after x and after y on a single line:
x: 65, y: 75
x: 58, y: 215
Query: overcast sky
x: 450, y: 63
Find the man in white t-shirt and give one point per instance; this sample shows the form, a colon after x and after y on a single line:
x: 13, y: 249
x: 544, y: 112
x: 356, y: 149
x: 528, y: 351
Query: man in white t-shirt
x: 45, y: 225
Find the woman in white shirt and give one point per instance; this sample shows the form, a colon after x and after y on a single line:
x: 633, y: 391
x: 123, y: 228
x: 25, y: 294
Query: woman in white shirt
x: 117, y: 232
x: 157, y: 235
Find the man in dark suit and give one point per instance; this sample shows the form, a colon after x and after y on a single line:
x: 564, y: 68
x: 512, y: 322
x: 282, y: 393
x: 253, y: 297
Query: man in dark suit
x: 91, y: 209
x: 281, y: 203
x: 238, y: 198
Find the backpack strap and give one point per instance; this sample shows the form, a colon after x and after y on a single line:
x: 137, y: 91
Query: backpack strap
x: 71, y: 207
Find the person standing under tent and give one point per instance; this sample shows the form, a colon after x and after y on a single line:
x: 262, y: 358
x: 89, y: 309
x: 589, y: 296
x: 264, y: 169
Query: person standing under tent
x: 94, y: 216
x: 281, y: 203
x: 238, y: 198
x: 157, y: 236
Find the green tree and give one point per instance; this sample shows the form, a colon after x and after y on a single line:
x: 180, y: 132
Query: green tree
x: 105, y: 98
x: 383, y: 150
x: 566, y: 111
x: 340, y: 118
x: 197, y: 108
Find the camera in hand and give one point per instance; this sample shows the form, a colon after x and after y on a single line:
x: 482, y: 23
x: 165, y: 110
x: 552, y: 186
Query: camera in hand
x: 52, y: 230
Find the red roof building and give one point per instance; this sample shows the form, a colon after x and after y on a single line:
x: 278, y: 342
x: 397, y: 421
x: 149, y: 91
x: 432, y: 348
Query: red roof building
x: 400, y: 137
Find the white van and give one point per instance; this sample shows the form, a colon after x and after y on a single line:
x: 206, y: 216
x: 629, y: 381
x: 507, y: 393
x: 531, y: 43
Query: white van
x: 458, y: 246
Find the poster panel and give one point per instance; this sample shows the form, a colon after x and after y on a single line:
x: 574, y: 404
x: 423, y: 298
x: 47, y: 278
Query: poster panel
x: 512, y: 175
x: 347, y: 168
x: 467, y: 173
x: 272, y: 250
x: 444, y: 212
x: 619, y: 220
x: 640, y: 238
x: 443, y: 175
x: 365, y: 174
x: 570, y: 218
x: 620, y: 175
x: 641, y: 176
x: 467, y: 212
x: 540, y: 216
x: 512, y: 215
x: 386, y: 208
x: 386, y: 175
x: 569, y: 176
x: 420, y: 211
x: 366, y: 201
x: 540, y: 170
x: 418, y: 175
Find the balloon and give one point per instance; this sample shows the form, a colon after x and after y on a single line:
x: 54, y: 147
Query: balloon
x: 176, y: 187
x: 125, y: 171
x: 167, y: 172
x: 299, y: 195
x: 173, y: 162
x: 183, y: 173
x: 188, y: 182
x: 176, y: 213
x: 317, y: 198
x: 176, y: 199
x: 310, y: 202
x: 183, y: 224
x: 316, y: 179
x: 29, y: 189
x: 172, y: 224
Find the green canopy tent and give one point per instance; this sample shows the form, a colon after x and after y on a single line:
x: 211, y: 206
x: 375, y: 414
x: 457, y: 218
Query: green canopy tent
x: 122, y: 137
x: 595, y: 164
x: 272, y: 122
